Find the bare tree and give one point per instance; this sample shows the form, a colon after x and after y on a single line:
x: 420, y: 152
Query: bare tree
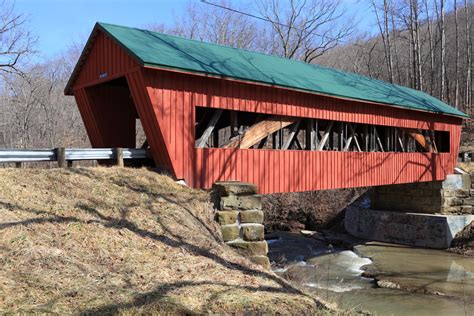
x: 442, y: 31
x: 35, y: 112
x: 306, y: 30
x: 396, y: 38
x: 467, y: 14
x: 216, y: 25
x: 16, y: 41
x: 429, y: 27
x: 411, y: 20
x: 385, y: 33
x: 418, y: 48
x: 456, y: 55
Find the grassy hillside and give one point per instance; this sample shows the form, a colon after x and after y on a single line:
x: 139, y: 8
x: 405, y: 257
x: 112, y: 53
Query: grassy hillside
x: 122, y: 240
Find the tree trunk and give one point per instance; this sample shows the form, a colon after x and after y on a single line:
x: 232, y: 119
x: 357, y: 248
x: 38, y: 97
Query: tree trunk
x: 456, y: 57
x: 416, y: 28
x: 384, y: 33
x: 430, y: 40
x: 443, y: 52
x: 468, y: 97
x: 386, y: 9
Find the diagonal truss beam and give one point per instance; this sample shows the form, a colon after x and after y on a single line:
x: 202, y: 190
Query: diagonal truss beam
x: 259, y: 131
x: 293, y: 133
x: 210, y: 127
x: 325, y: 137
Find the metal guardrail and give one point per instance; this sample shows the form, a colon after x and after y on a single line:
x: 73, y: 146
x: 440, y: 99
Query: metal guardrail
x: 70, y: 154
x: 104, y: 153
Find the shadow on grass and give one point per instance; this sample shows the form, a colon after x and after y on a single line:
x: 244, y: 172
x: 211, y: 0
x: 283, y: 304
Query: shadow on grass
x: 158, y: 294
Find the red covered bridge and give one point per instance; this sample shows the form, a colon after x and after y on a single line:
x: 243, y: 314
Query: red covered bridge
x: 214, y: 113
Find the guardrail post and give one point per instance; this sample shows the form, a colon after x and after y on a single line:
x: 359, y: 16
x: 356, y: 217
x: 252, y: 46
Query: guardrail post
x: 18, y: 164
x: 61, y: 157
x: 119, y: 157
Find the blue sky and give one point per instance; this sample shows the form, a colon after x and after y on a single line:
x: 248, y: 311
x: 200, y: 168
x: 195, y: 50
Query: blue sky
x: 59, y: 23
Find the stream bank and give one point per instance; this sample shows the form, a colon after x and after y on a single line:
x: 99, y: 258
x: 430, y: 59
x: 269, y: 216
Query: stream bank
x: 379, y: 278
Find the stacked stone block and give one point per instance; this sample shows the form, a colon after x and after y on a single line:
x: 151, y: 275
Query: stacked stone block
x: 459, y: 200
x: 241, y: 218
x: 455, y: 195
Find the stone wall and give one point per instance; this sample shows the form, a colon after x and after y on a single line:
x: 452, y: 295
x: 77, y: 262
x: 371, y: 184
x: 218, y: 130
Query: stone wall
x: 451, y: 196
x: 241, y: 218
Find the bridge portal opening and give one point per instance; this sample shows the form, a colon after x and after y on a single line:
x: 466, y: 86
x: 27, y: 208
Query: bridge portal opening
x: 115, y: 114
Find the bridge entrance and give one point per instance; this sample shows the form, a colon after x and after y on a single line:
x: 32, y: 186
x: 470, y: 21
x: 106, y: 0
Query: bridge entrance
x: 114, y: 113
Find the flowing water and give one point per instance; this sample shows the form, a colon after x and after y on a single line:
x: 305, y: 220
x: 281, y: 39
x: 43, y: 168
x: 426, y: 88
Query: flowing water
x: 398, y: 280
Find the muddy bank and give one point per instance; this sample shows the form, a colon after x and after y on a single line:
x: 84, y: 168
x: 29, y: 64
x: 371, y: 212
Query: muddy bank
x: 307, y: 210
x: 463, y: 243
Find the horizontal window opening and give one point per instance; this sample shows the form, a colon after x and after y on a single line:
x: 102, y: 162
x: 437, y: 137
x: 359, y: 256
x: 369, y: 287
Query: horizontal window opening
x: 219, y: 128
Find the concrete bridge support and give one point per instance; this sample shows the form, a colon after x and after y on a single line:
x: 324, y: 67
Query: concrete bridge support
x: 425, y: 214
x: 241, y: 218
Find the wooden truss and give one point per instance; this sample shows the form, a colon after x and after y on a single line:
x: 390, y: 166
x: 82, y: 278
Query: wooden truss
x: 250, y: 130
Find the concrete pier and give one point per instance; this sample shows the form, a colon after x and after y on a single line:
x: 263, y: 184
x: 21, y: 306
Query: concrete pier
x: 425, y: 214
x: 413, y: 229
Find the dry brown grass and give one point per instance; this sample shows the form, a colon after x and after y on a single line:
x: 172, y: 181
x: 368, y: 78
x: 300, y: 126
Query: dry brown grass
x: 111, y: 240
x: 466, y: 166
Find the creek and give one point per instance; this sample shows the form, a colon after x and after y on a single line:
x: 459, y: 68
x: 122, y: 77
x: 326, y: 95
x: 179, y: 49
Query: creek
x: 378, y: 278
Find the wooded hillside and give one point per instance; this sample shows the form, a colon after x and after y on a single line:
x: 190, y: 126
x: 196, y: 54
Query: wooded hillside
x: 423, y: 44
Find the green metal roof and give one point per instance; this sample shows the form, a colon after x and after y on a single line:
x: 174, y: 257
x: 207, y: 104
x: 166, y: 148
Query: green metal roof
x: 160, y: 50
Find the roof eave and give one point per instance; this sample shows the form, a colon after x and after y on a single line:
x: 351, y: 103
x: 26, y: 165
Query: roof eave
x: 97, y: 27
x: 198, y: 73
x: 84, y: 53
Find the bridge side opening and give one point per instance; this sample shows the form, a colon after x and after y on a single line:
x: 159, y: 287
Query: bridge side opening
x: 219, y: 128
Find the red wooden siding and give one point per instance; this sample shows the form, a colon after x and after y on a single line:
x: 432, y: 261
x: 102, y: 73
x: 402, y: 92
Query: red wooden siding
x: 90, y: 123
x: 174, y: 97
x: 171, y: 102
x: 152, y: 121
x: 105, y: 59
x: 165, y: 101
x: 294, y: 171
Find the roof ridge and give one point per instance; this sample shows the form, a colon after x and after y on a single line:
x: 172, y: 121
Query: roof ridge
x: 266, y: 55
x: 222, y: 45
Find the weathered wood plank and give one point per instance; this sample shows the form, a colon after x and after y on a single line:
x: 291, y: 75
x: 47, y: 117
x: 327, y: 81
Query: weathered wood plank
x: 259, y: 131
x: 419, y: 138
x: 210, y: 127
x: 234, y: 127
x: 326, y: 135
x: 400, y: 141
x: 294, y: 130
x: 352, y: 137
